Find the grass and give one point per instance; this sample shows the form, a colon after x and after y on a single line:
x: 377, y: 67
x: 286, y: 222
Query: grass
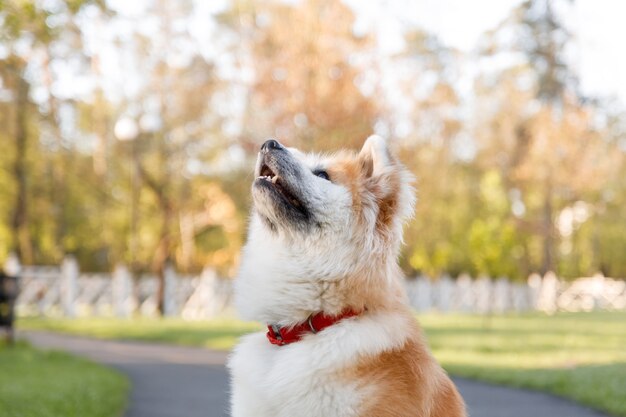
x: 581, y: 356
x: 219, y: 334
x: 35, y: 383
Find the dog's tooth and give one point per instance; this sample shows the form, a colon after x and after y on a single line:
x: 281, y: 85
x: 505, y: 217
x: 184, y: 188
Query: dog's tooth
x: 274, y: 179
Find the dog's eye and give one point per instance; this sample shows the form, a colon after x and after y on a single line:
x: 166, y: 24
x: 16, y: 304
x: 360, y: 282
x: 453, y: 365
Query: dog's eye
x: 322, y: 174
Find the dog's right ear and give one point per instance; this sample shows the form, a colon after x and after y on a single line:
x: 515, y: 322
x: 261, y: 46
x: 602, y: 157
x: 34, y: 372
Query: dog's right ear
x: 375, y: 156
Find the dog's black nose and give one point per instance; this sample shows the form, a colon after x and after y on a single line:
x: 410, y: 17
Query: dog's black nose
x: 271, y: 144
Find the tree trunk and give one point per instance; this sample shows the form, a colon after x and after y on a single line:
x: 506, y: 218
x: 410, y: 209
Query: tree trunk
x: 162, y: 254
x: 20, y: 224
x: 547, y: 228
x: 60, y: 163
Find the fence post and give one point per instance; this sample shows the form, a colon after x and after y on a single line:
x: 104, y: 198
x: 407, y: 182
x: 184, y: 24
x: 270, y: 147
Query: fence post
x: 170, y: 304
x: 122, y: 291
x: 424, y: 293
x: 445, y: 293
x: 597, y: 290
x: 501, y: 295
x: 548, y: 297
x: 483, y: 290
x: 202, y: 303
x: 209, y: 282
x: 534, y: 290
x: 12, y: 265
x: 69, y: 283
x: 465, y: 295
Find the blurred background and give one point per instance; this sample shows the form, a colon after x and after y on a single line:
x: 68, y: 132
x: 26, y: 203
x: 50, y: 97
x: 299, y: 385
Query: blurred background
x: 129, y: 130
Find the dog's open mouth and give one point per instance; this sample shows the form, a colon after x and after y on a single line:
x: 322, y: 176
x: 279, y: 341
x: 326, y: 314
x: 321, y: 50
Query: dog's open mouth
x: 269, y: 177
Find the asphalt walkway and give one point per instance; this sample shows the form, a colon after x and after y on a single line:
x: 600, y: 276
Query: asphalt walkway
x: 172, y: 381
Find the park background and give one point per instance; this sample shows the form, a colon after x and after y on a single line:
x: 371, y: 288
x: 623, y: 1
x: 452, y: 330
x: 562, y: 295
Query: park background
x: 129, y: 131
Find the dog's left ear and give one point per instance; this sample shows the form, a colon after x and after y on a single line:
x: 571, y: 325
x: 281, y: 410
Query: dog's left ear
x: 388, y: 180
x: 375, y: 156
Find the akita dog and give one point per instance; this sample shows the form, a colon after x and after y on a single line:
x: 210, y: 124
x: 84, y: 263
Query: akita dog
x: 320, y: 269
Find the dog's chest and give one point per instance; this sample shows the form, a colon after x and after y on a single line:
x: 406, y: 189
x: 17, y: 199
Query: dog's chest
x: 294, y: 380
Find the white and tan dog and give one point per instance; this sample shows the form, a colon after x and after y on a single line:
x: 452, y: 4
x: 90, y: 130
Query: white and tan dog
x: 320, y: 268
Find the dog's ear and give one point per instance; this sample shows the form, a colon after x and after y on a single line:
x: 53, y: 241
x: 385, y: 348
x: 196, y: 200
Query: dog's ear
x: 389, y: 182
x: 375, y: 156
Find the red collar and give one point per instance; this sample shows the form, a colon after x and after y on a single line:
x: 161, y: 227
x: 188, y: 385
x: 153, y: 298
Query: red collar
x: 315, y: 323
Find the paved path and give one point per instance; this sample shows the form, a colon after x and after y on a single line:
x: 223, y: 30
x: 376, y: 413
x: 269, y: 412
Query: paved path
x: 170, y: 381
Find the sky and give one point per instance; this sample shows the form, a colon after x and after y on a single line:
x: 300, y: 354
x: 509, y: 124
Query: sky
x: 598, y: 25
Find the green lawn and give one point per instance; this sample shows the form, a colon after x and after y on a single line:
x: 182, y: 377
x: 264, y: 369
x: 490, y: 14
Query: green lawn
x: 580, y: 356
x: 216, y: 334
x: 34, y: 383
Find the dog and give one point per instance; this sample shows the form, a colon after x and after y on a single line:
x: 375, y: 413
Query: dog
x: 320, y: 269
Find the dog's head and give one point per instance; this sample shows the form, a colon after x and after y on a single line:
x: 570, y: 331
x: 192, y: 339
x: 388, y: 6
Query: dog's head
x: 348, y: 198
x: 324, y: 218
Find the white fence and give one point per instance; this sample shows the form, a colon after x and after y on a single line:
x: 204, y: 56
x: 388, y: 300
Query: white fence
x: 484, y: 295
x: 65, y: 291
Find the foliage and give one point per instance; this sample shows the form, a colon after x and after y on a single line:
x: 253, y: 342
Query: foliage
x: 53, y: 384
x: 519, y: 174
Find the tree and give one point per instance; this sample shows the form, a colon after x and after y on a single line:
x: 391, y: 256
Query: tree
x: 304, y: 84
x: 28, y: 34
x: 178, y: 128
x: 538, y: 129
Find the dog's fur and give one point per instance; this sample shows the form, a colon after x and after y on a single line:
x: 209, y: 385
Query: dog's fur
x: 330, y: 245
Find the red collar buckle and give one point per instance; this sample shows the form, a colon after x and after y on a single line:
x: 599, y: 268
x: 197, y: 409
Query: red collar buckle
x: 315, y: 323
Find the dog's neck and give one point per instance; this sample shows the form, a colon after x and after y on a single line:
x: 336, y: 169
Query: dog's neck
x: 285, y: 288
x: 274, y: 288
x: 284, y: 284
